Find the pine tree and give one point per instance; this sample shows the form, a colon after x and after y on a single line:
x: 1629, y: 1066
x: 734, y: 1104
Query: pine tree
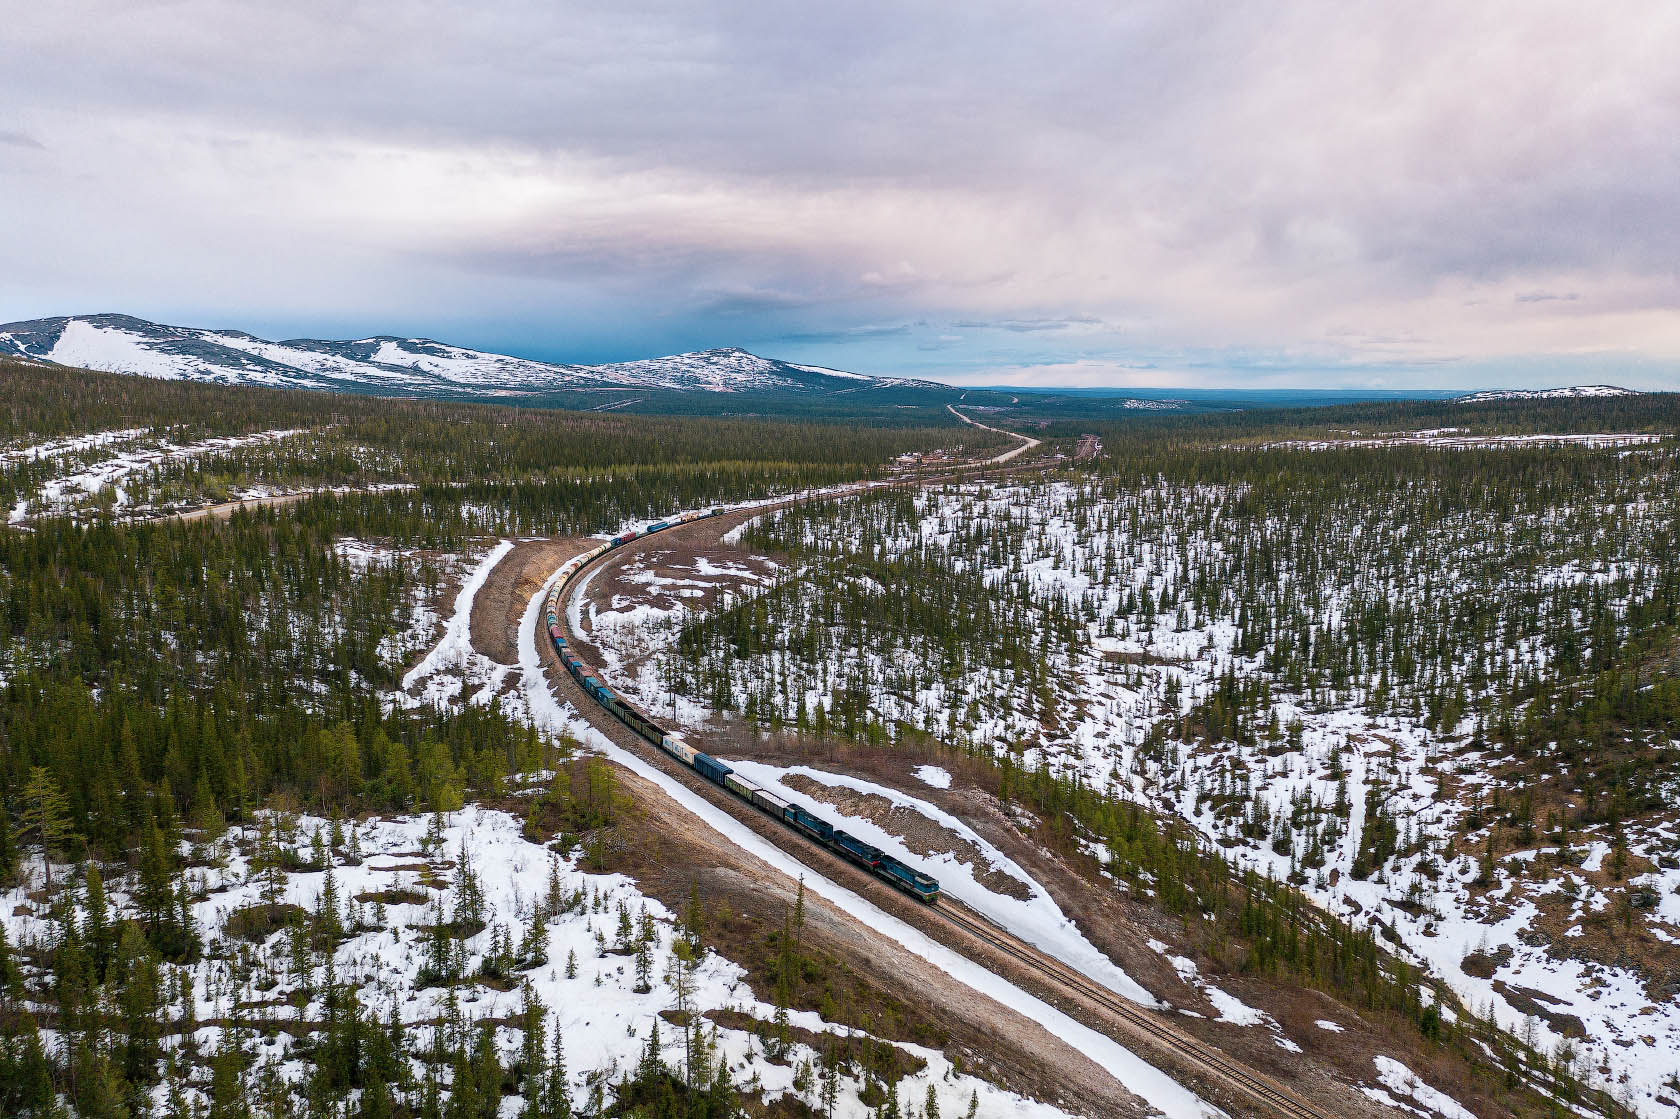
x: 267, y: 865
x: 329, y: 925
x: 557, y: 1092
x: 830, y: 1079
x: 45, y: 814
x: 96, y: 924
x: 139, y: 996
x: 652, y: 1065
x: 533, y: 947
x: 156, y: 894
x: 694, y: 916
x: 644, y: 954
x: 533, y: 1052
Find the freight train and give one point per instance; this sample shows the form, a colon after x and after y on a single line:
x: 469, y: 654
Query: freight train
x: 791, y: 813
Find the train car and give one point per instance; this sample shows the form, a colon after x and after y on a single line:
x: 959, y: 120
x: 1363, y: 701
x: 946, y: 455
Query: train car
x: 674, y: 745
x: 740, y: 786
x: 657, y: 527
x: 816, y: 827
x: 640, y: 722
x: 766, y: 801
x: 923, y: 887
x: 855, y: 849
x: 710, y: 768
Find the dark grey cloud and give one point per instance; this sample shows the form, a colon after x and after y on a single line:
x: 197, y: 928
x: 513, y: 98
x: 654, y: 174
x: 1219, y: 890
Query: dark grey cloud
x: 20, y: 140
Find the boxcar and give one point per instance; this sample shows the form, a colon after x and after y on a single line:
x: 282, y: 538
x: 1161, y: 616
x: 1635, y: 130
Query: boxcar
x: 677, y: 748
x: 710, y: 768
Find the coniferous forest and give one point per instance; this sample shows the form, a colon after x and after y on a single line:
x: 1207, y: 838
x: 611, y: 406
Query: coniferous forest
x: 1327, y: 692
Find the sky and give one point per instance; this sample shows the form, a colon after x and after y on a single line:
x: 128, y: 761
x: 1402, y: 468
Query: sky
x: 1173, y: 194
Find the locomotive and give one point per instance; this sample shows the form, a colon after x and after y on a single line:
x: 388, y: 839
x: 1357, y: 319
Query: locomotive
x: 790, y: 813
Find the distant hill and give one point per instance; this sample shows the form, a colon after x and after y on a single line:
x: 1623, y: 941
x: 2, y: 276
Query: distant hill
x: 1575, y: 392
x: 391, y: 365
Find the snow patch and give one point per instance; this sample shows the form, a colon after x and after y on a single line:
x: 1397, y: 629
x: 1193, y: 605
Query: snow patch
x: 933, y: 776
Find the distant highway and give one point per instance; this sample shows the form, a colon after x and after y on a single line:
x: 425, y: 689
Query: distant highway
x: 1027, y: 441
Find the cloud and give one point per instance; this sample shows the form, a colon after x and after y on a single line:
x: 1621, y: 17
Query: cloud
x: 849, y: 334
x: 749, y: 301
x: 1333, y: 186
x: 1032, y: 326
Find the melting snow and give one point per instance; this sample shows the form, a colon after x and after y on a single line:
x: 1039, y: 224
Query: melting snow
x: 1406, y: 1084
x: 934, y: 776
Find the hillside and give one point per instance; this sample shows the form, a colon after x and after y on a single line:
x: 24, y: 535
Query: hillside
x: 1573, y: 392
x: 394, y: 366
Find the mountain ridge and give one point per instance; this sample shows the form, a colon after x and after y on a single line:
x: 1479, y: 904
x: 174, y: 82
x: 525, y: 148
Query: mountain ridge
x: 1572, y: 392
x: 386, y: 363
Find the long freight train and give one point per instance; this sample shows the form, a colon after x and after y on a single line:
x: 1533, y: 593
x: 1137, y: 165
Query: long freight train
x: 789, y: 812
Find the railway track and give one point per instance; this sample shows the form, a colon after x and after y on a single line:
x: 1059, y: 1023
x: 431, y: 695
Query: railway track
x: 1256, y: 1086
x: 1270, y: 1096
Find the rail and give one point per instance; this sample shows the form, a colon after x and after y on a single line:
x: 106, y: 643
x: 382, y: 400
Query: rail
x: 1261, y: 1089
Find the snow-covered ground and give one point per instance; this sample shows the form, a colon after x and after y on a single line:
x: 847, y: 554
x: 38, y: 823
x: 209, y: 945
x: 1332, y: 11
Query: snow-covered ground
x: 1450, y: 438
x: 1141, y: 1078
x: 1036, y: 918
x: 587, y: 983
x: 439, y: 679
x: 455, y: 650
x: 1305, y: 786
x: 83, y: 482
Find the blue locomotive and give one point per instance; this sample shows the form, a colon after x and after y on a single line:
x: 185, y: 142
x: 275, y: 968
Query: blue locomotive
x: 921, y: 886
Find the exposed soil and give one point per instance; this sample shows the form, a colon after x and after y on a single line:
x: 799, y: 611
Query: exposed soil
x: 500, y: 603
x: 227, y: 509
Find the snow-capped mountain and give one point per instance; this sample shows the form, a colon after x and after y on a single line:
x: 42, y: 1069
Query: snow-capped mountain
x: 1575, y: 392
x: 124, y: 344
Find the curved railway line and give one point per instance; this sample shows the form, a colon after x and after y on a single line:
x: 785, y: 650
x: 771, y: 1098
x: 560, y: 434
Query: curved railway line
x: 1270, y: 1097
x: 1198, y: 1052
